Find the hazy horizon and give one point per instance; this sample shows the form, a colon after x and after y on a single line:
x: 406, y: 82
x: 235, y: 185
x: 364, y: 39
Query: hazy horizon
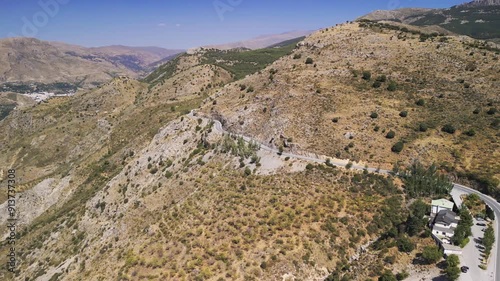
x: 179, y: 24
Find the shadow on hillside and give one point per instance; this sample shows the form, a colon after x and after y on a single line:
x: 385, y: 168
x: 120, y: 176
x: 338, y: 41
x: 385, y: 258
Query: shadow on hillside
x: 441, y: 265
x: 418, y: 260
x: 440, y: 278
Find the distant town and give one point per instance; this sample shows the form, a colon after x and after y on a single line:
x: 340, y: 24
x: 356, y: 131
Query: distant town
x: 43, y: 96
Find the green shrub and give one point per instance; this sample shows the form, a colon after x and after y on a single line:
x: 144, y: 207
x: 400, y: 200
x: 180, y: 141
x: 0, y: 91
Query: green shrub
x: 376, y: 84
x: 422, y: 127
x: 405, y: 245
x: 420, y: 102
x: 452, y: 273
x: 448, y: 128
x: 402, y: 275
x: 382, y: 78
x: 374, y: 115
x: 367, y: 75
x: 297, y: 56
x: 387, y: 276
x: 280, y: 150
x: 403, y: 113
x: 309, y: 61
x: 398, y: 147
x: 335, y: 120
x: 470, y: 132
x: 452, y: 260
x: 464, y: 242
x: 391, y: 134
x: 390, y: 259
x: 432, y: 254
x: 248, y: 171
x: 492, y: 111
x: 392, y: 86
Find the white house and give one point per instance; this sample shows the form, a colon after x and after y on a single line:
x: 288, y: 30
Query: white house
x: 441, y: 204
x: 444, y: 225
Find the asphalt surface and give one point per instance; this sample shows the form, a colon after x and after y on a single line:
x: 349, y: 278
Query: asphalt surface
x: 472, y: 257
x: 493, y: 267
x: 493, y: 271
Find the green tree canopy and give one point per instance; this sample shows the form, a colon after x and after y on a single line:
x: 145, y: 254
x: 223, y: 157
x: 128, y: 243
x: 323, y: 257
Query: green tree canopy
x: 452, y: 260
x: 453, y: 273
x: 424, y: 182
x: 432, y: 254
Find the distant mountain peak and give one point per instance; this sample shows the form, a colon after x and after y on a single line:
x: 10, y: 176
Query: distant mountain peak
x: 483, y: 3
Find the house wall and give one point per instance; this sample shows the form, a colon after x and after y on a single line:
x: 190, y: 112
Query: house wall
x: 455, y: 252
x: 440, y: 233
x: 435, y: 209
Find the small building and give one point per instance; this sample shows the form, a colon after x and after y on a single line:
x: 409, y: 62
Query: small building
x: 444, y: 225
x: 441, y: 204
x: 451, y: 249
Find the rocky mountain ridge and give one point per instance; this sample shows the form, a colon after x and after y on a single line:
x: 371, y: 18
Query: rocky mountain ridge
x: 29, y: 60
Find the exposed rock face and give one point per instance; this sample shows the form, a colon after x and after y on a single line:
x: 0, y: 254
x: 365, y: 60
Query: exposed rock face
x: 400, y: 15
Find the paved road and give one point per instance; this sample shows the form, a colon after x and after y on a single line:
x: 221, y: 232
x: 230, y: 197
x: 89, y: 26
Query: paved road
x: 316, y: 159
x: 471, y: 257
x: 495, y: 206
x: 493, y: 269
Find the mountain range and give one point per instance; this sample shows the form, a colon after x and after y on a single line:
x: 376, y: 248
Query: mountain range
x: 31, y: 60
x: 261, y: 41
x: 479, y: 19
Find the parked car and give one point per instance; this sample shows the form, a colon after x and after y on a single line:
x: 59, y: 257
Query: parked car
x: 480, y: 224
x: 464, y: 269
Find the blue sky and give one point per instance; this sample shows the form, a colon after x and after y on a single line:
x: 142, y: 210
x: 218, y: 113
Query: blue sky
x: 179, y: 23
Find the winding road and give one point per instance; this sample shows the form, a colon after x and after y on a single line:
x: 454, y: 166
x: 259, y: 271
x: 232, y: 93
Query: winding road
x: 494, y: 205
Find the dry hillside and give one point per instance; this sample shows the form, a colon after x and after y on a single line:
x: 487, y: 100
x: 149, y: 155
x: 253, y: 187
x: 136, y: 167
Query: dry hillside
x: 121, y: 183
x: 364, y: 80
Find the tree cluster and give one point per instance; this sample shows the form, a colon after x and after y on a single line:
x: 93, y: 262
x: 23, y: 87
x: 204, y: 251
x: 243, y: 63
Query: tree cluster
x: 424, y: 182
x: 488, y: 240
x: 452, y: 270
x: 463, y: 230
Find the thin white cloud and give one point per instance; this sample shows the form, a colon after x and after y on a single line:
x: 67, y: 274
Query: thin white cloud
x: 178, y: 25
x: 162, y: 24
